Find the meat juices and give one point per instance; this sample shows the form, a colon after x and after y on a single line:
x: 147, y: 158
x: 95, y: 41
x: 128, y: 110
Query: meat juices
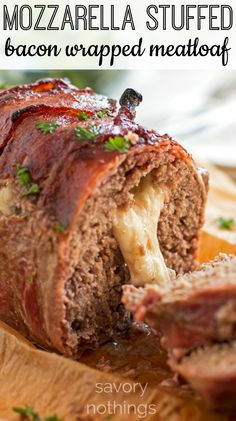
x: 62, y: 268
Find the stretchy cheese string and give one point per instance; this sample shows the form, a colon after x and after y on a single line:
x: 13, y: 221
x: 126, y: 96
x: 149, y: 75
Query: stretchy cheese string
x: 135, y: 229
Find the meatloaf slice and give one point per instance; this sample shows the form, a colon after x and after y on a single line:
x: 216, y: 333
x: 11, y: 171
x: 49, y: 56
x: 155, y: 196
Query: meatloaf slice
x: 72, y: 166
x: 198, y: 308
x: 211, y: 371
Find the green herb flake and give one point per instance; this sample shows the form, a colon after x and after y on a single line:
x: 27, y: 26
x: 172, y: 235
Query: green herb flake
x: 47, y: 127
x: 28, y: 410
x: 28, y: 413
x: 101, y: 113
x: 59, y: 228
x: 34, y: 189
x: 23, y: 175
x: 86, y: 134
x: 117, y: 143
x: 83, y: 116
x: 25, y: 180
x: 227, y: 224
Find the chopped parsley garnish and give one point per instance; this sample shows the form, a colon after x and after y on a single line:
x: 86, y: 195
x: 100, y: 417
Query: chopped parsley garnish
x: 59, y: 228
x: 83, y: 116
x: 23, y: 175
x: 29, y: 414
x: 227, y: 224
x: 86, y: 134
x: 34, y: 189
x: 26, y: 412
x: 101, y: 113
x: 25, y: 180
x: 47, y: 127
x: 117, y: 143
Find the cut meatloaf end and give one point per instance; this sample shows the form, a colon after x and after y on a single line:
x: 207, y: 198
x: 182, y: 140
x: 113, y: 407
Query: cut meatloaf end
x: 77, y: 177
x: 198, y: 308
x: 211, y: 371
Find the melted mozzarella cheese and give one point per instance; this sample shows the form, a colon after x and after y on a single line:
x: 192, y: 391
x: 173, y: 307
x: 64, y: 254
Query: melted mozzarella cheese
x: 135, y: 229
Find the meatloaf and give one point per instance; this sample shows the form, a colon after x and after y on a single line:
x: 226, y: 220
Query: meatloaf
x: 197, y: 317
x: 89, y: 201
x: 197, y: 309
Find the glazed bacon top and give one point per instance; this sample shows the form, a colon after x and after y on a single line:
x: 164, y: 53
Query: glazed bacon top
x: 49, y: 92
x: 60, y: 133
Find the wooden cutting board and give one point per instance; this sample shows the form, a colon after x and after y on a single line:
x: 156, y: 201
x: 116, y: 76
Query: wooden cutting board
x: 55, y: 385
